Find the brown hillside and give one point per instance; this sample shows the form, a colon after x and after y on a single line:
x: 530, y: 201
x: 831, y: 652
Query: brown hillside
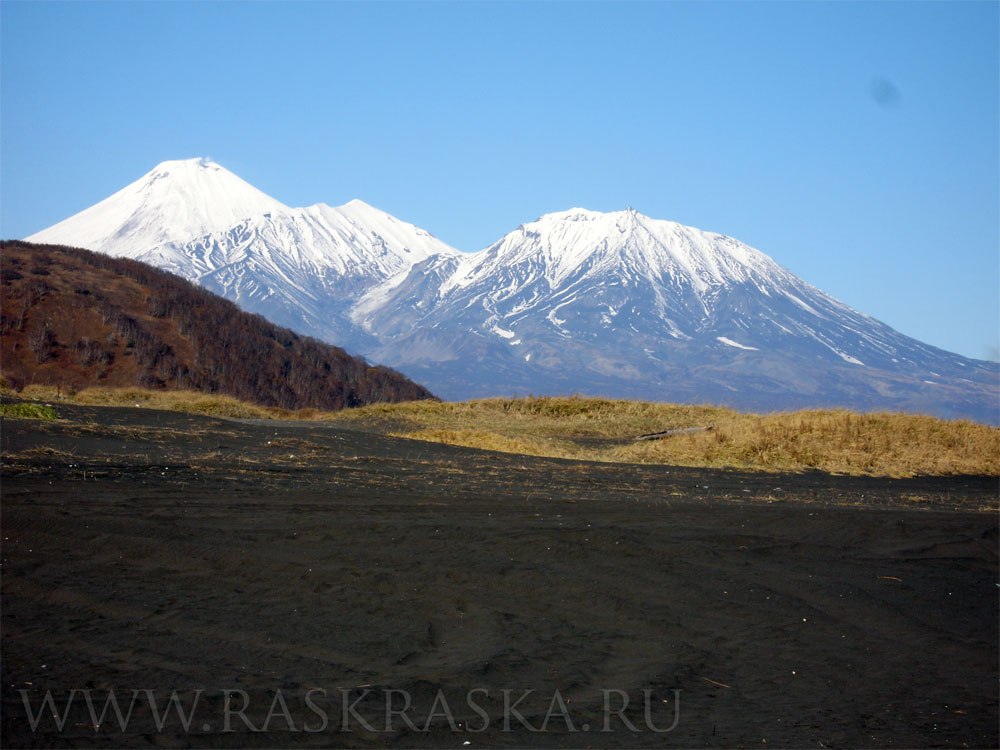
x: 72, y: 318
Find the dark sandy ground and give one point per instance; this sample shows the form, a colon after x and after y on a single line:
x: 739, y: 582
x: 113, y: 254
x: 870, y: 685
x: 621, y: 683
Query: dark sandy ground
x: 287, y: 582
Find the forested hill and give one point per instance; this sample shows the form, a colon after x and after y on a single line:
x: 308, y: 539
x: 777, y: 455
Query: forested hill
x: 74, y: 318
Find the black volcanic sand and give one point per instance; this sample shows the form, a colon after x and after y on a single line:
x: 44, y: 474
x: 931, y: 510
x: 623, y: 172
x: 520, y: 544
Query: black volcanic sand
x: 302, y: 567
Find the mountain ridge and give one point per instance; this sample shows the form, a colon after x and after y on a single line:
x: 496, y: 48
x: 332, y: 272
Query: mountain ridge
x: 614, y: 304
x: 300, y: 267
x: 653, y: 309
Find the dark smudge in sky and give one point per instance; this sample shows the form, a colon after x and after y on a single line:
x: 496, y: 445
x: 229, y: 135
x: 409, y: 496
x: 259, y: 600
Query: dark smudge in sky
x: 884, y: 92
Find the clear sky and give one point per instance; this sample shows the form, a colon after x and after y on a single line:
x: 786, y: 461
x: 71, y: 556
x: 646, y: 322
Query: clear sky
x: 856, y: 143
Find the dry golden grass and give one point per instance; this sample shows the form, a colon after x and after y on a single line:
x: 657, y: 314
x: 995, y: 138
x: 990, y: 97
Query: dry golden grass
x: 541, y: 417
x: 834, y: 441
x: 605, y: 430
x: 193, y: 402
x: 492, y: 441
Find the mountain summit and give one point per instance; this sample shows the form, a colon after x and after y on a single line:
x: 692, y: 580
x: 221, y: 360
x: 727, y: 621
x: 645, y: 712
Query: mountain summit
x: 175, y: 201
x: 615, y: 304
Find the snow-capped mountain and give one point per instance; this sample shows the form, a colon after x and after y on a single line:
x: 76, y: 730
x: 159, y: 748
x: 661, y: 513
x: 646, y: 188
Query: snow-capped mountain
x: 299, y: 267
x: 623, y: 304
x: 614, y: 304
x: 175, y: 201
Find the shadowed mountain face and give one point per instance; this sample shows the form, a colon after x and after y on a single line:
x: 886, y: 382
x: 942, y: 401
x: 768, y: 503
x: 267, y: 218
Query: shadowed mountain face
x: 73, y: 318
x: 615, y: 304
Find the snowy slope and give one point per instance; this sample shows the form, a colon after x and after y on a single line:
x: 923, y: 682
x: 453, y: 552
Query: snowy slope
x: 577, y: 273
x: 305, y: 267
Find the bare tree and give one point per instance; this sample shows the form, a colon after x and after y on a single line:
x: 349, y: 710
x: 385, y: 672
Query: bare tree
x: 41, y: 342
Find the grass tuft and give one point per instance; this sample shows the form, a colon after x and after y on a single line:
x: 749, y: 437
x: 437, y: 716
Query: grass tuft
x: 26, y: 410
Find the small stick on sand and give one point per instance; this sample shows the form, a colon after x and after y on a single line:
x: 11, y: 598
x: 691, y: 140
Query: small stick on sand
x: 891, y: 578
x: 714, y: 682
x: 671, y: 433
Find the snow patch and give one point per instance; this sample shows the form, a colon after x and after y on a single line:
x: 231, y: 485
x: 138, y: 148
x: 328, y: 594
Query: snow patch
x: 802, y: 304
x: 730, y: 342
x: 848, y: 357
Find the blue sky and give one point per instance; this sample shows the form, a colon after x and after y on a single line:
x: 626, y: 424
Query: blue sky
x: 855, y: 143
